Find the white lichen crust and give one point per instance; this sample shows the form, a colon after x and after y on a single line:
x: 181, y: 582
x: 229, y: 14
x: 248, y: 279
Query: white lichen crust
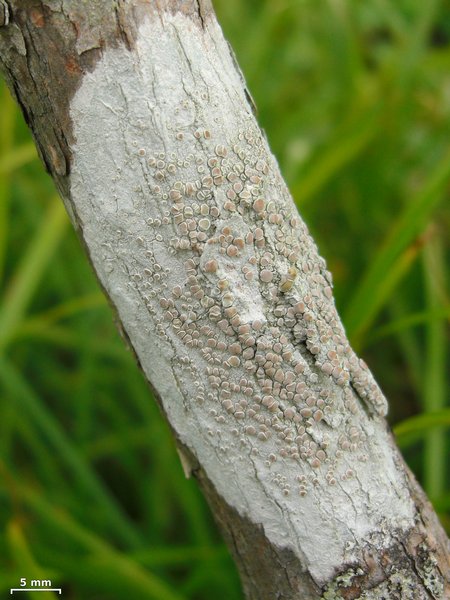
x: 220, y: 287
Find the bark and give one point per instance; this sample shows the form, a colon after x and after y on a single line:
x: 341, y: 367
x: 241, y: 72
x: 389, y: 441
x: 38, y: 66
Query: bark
x: 142, y: 117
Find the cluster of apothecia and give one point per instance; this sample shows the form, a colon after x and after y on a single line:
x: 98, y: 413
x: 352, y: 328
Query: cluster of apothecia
x: 265, y: 348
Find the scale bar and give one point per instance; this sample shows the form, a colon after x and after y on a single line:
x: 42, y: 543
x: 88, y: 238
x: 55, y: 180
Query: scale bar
x: 12, y: 590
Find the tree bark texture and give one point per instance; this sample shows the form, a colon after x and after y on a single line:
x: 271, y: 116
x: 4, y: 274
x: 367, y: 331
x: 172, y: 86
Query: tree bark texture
x: 142, y: 117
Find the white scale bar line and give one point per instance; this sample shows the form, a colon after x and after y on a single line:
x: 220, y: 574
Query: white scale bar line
x: 12, y: 590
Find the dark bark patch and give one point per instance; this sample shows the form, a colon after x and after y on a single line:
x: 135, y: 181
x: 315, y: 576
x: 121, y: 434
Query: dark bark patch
x: 46, y: 48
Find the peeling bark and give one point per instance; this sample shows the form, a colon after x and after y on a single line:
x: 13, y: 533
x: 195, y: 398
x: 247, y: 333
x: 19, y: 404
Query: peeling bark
x: 143, y: 119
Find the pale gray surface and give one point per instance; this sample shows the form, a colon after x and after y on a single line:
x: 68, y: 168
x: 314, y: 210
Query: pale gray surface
x: 284, y: 419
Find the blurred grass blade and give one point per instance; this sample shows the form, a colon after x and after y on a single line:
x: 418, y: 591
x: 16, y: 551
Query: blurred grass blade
x: 416, y: 428
x: 114, y: 576
x: 412, y: 221
x: 434, y: 391
x: 103, y: 561
x: 69, y: 308
x: 18, y: 157
x: 7, y: 126
x: 344, y: 148
x: 408, y: 343
x: 41, y: 322
x: 442, y: 503
x: 70, y: 339
x: 31, y: 269
x: 413, y: 320
x: 392, y: 278
x: 179, y: 555
x: 31, y: 403
x: 417, y: 41
x: 113, y: 443
x: 25, y: 561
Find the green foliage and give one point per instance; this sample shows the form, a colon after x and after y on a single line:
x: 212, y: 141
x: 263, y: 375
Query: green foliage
x: 354, y: 97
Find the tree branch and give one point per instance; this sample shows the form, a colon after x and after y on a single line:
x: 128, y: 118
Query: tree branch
x: 143, y: 120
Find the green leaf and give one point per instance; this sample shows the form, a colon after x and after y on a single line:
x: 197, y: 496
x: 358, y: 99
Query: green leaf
x: 31, y: 270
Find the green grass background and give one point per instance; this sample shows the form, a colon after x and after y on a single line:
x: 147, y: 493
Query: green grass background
x: 355, y: 99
